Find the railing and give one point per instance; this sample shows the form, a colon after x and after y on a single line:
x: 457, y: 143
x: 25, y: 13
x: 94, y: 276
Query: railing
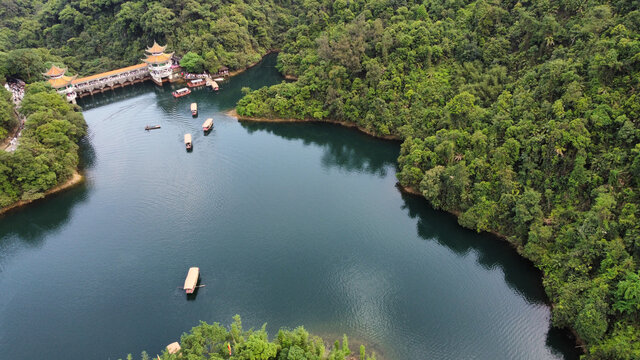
x: 111, y: 80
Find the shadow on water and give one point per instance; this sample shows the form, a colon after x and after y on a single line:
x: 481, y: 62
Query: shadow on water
x: 31, y: 223
x: 492, y: 253
x: 112, y: 96
x: 362, y: 153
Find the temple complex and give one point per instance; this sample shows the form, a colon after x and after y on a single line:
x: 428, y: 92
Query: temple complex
x: 61, y: 82
x: 159, y: 63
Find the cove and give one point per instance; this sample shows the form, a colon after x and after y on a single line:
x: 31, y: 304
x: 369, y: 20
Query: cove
x: 290, y: 223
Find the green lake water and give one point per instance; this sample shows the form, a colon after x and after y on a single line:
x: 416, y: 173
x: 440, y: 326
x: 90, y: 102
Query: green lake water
x: 291, y: 224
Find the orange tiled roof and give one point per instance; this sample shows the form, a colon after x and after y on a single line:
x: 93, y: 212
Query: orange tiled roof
x: 55, y: 71
x: 109, y: 73
x: 158, y: 59
x: 156, y: 48
x: 61, y: 81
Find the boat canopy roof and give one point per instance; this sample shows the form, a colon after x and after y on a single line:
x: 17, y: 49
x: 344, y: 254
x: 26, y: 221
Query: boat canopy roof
x: 197, y: 81
x: 187, y: 139
x: 182, y: 90
x: 194, y: 106
x: 208, y: 122
x: 173, y: 348
x: 192, y: 277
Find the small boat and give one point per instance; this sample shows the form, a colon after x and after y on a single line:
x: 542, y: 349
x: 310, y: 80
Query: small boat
x: 214, y: 86
x: 181, y: 92
x: 192, y: 280
x: 207, y: 125
x: 152, y: 127
x: 218, y: 79
x: 187, y: 141
x: 194, y: 109
x: 196, y: 83
x: 173, y: 348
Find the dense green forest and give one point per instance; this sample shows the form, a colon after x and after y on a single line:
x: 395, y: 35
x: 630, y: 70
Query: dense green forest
x: 214, y: 341
x: 8, y: 120
x: 48, y: 150
x: 520, y: 116
x: 100, y: 35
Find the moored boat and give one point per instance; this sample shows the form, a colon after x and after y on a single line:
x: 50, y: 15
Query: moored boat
x: 196, y: 83
x: 181, y: 92
x: 194, y: 109
x: 192, y: 280
x: 218, y: 79
x: 187, y: 141
x: 208, y: 124
x: 214, y: 86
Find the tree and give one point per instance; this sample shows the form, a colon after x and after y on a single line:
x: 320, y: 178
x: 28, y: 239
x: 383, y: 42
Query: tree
x: 192, y: 62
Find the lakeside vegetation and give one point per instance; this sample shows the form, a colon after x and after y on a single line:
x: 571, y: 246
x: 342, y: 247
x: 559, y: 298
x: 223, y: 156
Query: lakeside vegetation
x: 215, y: 342
x: 48, y: 151
x: 522, y: 117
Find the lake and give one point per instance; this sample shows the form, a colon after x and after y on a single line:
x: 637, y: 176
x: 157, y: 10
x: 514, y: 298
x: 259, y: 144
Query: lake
x: 290, y: 223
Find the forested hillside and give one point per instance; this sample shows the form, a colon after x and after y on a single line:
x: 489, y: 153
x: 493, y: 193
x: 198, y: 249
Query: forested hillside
x: 521, y: 117
x: 101, y: 35
x: 48, y: 150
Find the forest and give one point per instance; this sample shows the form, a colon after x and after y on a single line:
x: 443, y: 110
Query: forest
x: 521, y: 117
x: 48, y: 152
x: 216, y: 342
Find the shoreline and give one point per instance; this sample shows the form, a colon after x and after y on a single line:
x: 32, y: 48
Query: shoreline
x: 75, y: 179
x: 234, y: 113
x: 240, y: 71
x: 410, y: 190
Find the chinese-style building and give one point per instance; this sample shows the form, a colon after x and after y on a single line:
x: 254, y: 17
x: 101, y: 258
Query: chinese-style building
x: 159, y: 63
x: 61, y: 82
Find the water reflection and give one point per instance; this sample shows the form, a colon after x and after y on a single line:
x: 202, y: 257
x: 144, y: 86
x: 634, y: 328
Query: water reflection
x: 113, y: 96
x: 367, y: 155
x: 492, y: 253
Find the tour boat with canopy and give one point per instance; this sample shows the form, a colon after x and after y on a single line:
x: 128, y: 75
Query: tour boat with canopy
x: 192, y: 280
x: 196, y: 83
x: 194, y: 109
x: 187, y: 141
x: 181, y: 92
x: 207, y: 125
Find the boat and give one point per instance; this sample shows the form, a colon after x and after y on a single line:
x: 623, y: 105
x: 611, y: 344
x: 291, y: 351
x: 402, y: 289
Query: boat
x: 196, y: 83
x: 219, y: 79
x: 207, y: 125
x: 214, y: 85
x: 181, y: 92
x: 194, y: 109
x: 192, y: 280
x: 152, y: 127
x: 187, y: 141
x: 173, y: 348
